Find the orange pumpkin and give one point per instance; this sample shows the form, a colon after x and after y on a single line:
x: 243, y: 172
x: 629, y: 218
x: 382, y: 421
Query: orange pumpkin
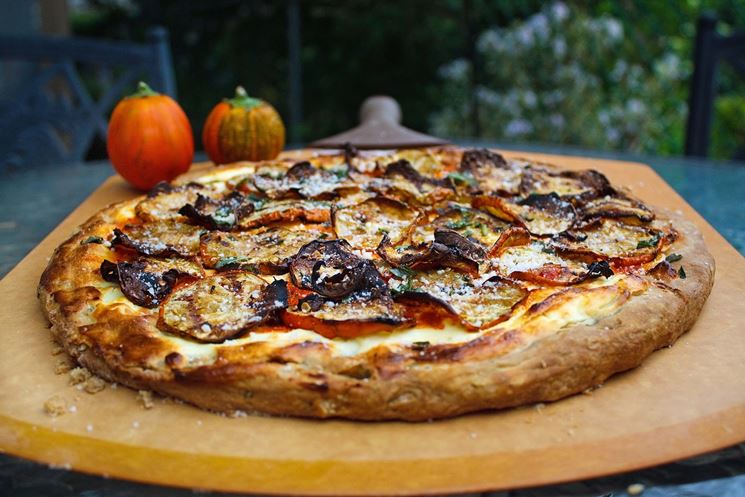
x: 149, y: 138
x: 243, y: 128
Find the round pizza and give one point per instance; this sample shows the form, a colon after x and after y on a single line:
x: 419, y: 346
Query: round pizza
x: 411, y: 284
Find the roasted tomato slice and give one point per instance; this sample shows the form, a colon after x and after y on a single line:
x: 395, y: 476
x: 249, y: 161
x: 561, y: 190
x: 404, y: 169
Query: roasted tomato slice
x: 625, y: 208
x: 611, y: 239
x: 161, y: 238
x: 351, y: 317
x: 540, y: 214
x: 537, y: 262
x: 219, y: 307
x: 476, y: 304
x: 267, y: 249
x: 363, y: 225
x: 310, y: 211
x: 164, y: 201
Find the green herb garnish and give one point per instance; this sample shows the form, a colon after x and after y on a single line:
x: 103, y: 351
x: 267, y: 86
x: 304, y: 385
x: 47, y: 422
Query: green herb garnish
x: 229, y: 261
x: 682, y: 273
x: 462, y: 178
x: 420, y: 345
x: 92, y: 239
x: 652, y: 242
x: 673, y: 258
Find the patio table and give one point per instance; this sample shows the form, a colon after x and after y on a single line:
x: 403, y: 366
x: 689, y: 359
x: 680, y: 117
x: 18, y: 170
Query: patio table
x: 34, y: 201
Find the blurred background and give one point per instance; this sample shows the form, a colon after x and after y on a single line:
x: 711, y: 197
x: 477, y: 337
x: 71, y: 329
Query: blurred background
x: 604, y: 75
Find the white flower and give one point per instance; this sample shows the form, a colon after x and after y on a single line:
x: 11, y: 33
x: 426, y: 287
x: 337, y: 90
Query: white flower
x: 613, y: 135
x: 457, y: 69
x: 538, y: 24
x: 635, y: 106
x: 559, y: 47
x: 557, y: 121
x: 525, y: 35
x: 490, y: 40
x: 529, y: 99
x: 619, y: 70
x: 518, y: 127
x: 559, y: 11
x: 487, y: 96
x: 613, y: 28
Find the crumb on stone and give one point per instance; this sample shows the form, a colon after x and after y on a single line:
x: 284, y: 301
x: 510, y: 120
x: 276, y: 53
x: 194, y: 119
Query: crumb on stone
x: 63, y: 365
x: 79, y: 375
x: 55, y: 406
x: 635, y: 489
x: 94, y: 384
x: 146, y: 398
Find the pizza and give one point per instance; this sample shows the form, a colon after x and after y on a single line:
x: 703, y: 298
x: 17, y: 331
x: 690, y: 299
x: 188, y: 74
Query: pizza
x: 410, y: 284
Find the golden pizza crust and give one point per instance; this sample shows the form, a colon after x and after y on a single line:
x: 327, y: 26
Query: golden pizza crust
x: 497, y: 369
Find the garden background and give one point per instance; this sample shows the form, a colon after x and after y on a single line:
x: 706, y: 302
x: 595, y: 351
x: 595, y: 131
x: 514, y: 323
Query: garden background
x: 610, y: 75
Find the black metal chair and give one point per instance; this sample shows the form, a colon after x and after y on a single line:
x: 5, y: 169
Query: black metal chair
x: 63, y: 100
x: 711, y: 48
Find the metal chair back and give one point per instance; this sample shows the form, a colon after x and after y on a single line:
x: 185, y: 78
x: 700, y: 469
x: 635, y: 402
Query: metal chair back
x: 63, y: 100
x: 711, y: 48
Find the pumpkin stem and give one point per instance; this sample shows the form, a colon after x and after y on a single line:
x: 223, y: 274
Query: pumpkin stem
x: 241, y: 99
x: 143, y: 90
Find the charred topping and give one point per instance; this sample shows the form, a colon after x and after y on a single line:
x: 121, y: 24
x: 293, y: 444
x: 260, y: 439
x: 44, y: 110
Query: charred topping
x: 146, y: 289
x: 480, y: 159
x: 218, y: 214
x: 405, y: 170
x: 599, y: 268
x: 332, y: 270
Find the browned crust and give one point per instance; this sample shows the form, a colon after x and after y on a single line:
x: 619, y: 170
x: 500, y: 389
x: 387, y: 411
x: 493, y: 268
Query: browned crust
x: 387, y: 382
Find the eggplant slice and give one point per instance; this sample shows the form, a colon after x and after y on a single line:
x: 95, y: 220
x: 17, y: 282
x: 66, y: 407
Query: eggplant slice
x: 475, y: 225
x: 363, y: 225
x: 147, y: 282
x: 477, y: 305
x: 612, y: 239
x: 219, y: 307
x: 447, y: 249
x: 303, y: 179
x: 220, y: 214
x: 617, y: 207
x: 540, y: 214
x: 267, y: 250
x: 333, y: 271
x: 570, y: 185
x: 164, y: 200
x: 353, y: 316
x: 402, y: 182
x: 310, y: 211
x: 161, y: 238
x: 487, y: 172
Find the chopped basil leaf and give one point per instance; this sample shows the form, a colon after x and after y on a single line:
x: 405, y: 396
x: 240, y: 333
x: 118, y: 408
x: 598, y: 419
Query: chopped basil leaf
x: 229, y: 261
x: 92, y: 239
x: 651, y: 243
x: 673, y: 258
x: 463, y: 178
x: 682, y: 273
x: 420, y: 345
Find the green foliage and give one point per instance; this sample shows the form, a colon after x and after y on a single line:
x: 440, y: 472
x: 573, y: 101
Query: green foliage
x: 440, y: 57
